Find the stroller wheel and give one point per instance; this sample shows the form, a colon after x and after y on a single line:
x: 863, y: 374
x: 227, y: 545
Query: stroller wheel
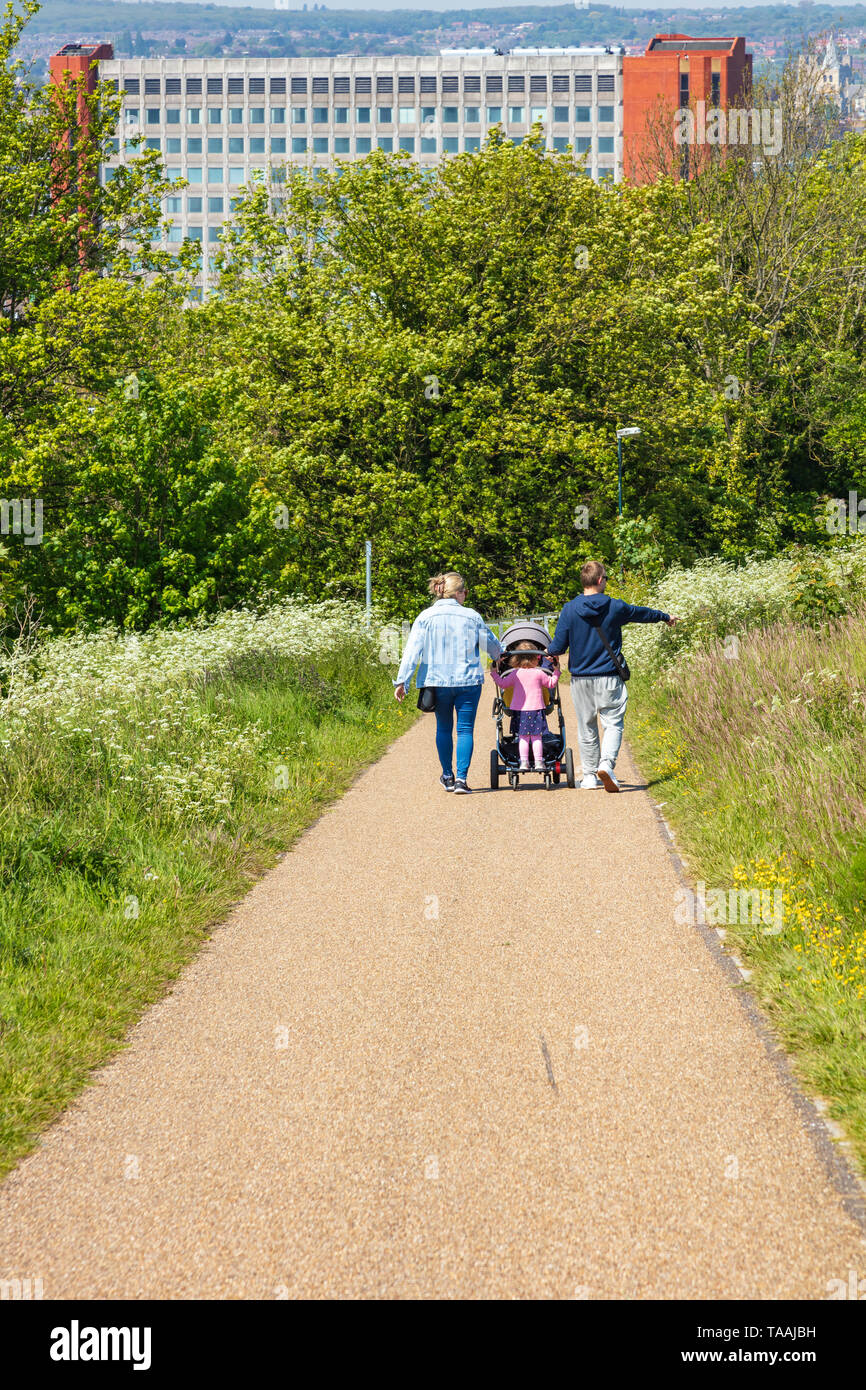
x: 569, y: 767
x: 514, y: 781
x: 494, y: 768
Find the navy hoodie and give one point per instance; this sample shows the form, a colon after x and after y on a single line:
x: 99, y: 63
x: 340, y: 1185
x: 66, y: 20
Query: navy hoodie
x: 587, y: 654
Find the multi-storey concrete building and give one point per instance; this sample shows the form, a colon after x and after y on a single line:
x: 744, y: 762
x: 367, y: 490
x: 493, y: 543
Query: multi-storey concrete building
x: 221, y: 122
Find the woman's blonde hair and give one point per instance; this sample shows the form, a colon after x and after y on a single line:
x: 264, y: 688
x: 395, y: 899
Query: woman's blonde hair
x: 446, y: 585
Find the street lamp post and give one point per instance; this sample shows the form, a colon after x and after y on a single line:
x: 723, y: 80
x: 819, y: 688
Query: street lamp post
x: 622, y: 434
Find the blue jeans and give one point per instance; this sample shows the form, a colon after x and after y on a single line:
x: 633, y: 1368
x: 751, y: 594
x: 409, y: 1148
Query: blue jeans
x: 464, y: 699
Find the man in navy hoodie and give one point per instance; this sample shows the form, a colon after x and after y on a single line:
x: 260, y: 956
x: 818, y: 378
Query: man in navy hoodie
x: 598, y: 690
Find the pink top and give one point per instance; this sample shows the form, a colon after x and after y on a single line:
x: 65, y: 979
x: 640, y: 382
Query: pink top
x: 528, y: 684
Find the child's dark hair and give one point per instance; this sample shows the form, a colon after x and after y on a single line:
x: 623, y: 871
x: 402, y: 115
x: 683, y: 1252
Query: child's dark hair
x: 525, y: 661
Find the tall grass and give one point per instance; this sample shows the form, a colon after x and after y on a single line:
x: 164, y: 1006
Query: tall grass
x: 145, y: 782
x: 757, y: 750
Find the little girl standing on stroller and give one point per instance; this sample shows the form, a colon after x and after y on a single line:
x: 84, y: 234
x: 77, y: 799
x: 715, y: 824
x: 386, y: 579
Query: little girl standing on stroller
x: 528, y: 681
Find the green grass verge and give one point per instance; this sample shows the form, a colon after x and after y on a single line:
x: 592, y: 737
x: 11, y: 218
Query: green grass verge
x: 126, y: 837
x: 755, y: 750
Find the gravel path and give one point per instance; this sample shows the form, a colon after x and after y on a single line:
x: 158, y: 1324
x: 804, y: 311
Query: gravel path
x: 449, y: 1047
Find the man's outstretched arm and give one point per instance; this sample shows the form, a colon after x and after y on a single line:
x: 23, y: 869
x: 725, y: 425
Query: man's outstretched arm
x: 634, y: 613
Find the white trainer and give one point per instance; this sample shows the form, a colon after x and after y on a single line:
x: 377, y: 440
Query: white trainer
x: 590, y: 782
x: 608, y: 780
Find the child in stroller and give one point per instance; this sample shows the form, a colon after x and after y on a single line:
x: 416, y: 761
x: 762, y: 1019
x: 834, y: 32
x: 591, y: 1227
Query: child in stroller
x: 527, y: 681
x: 526, y: 665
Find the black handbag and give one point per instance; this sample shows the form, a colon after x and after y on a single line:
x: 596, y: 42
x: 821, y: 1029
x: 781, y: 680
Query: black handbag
x: 427, y: 699
x: 622, y: 666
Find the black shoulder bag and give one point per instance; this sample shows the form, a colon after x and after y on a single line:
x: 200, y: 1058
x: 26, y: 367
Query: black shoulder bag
x: 427, y: 699
x: 622, y: 666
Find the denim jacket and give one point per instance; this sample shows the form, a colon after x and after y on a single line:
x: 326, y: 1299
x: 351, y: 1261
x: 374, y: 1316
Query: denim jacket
x: 445, y: 644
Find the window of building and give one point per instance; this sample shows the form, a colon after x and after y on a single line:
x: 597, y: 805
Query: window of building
x: 215, y: 175
x: 193, y: 173
x: 515, y: 113
x: 133, y: 115
x: 175, y: 234
x: 173, y: 172
x: 384, y: 115
x: 214, y: 115
x: 494, y: 115
x: 236, y: 115
x: 236, y: 174
x: 362, y: 115
x: 216, y: 204
x: 560, y: 143
x: 153, y: 143
x: 605, y: 113
x: 450, y: 115
x: 174, y: 204
x: 560, y: 113
x: 583, y: 144
x: 236, y: 144
x: 320, y: 115
x: 213, y: 234
x: 172, y: 145
x: 278, y: 144
x: 450, y: 144
x: 321, y: 144
x: 257, y: 115
x: 215, y: 144
x: 194, y: 233
x: 299, y: 115
x: 471, y: 114
x: 193, y: 145
x: 407, y: 143
x: 386, y: 142
x: 193, y: 204
x: 193, y: 115
x: 152, y: 116
x: 408, y: 115
x: 428, y: 145
x: 362, y: 144
x: 278, y: 115
x: 299, y: 144
x: 715, y: 88
x: 428, y: 113
x: 538, y: 113
x: 583, y: 114
x: 605, y: 144
x: 472, y: 142
x: 257, y: 144
x: 341, y: 115
x: 172, y: 115
x: 341, y: 144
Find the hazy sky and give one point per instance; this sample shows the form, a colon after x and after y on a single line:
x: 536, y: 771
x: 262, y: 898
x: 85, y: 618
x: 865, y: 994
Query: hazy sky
x: 480, y: 4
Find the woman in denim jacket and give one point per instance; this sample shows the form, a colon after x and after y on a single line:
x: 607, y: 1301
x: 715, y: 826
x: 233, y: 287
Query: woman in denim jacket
x: 445, y: 644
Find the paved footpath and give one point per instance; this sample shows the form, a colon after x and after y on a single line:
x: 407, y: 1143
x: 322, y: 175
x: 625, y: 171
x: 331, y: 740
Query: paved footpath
x: 449, y: 1047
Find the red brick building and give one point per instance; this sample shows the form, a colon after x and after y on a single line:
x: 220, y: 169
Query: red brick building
x: 676, y: 71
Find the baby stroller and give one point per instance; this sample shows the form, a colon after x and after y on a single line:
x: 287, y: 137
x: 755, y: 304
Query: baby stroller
x: 505, y: 757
